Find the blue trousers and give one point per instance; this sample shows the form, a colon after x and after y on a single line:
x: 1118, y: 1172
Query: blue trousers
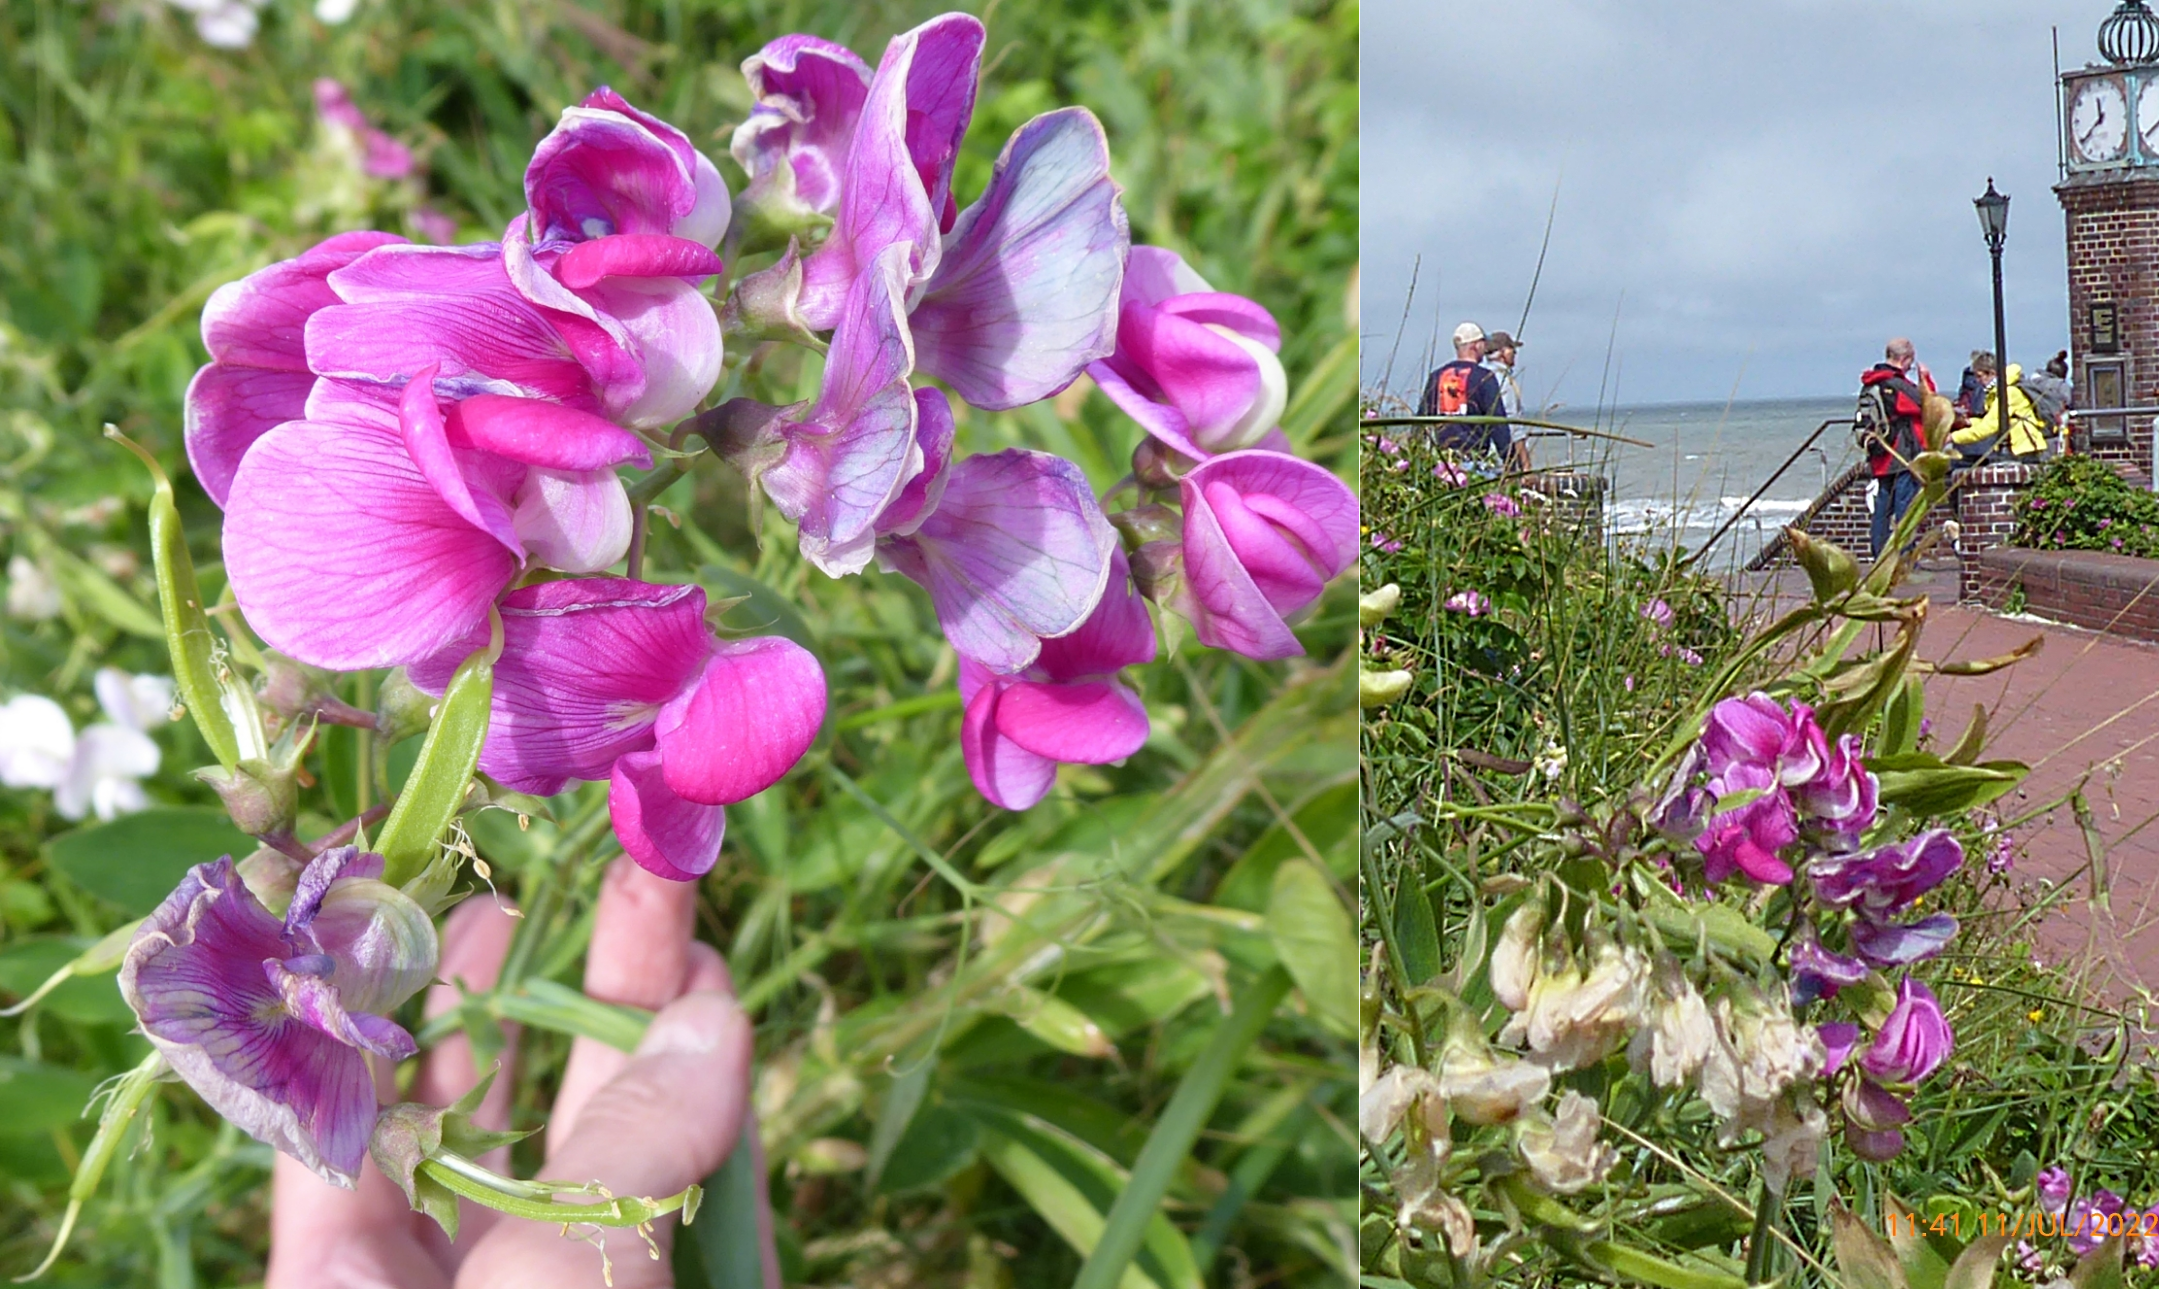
x: 1893, y: 495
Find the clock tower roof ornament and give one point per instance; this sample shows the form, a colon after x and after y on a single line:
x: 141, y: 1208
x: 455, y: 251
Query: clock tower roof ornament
x: 2130, y: 35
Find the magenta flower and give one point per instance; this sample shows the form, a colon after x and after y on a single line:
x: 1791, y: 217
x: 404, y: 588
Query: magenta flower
x: 272, y: 1021
x: 1385, y: 543
x: 1499, y: 503
x: 1659, y: 612
x: 1746, y: 837
x: 379, y: 529
x: 380, y: 155
x: 608, y: 168
x: 609, y: 679
x: 258, y: 377
x: 1883, y: 882
x: 1873, y: 1120
x: 1447, y: 472
x: 1194, y: 366
x: 1839, y: 801
x: 1263, y: 535
x: 1914, y: 1040
x: 1757, y: 730
x: 2089, y: 1220
x: 808, y: 94
x: 1016, y: 552
x: 2053, y: 1189
x: 1838, y: 1040
x: 1471, y: 603
x: 1068, y: 706
x: 1894, y: 944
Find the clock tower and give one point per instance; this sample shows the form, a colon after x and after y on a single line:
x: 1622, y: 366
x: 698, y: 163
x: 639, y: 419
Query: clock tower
x: 2110, y: 200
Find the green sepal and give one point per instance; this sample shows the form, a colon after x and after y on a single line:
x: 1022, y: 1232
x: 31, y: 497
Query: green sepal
x: 187, y: 625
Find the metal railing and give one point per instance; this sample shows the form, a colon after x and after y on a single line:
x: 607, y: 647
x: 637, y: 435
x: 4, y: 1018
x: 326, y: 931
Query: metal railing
x: 1789, y: 461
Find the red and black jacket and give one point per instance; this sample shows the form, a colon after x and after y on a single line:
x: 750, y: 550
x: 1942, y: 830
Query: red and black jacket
x: 1906, y: 406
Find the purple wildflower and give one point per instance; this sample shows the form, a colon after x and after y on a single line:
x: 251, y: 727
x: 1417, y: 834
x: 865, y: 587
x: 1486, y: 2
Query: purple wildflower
x: 1659, y: 612
x: 1913, y: 1041
x: 1469, y: 602
x: 1499, y: 503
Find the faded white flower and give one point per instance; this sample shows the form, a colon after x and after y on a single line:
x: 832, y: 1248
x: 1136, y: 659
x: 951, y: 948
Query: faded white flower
x: 1442, y: 1214
x: 1551, y: 762
x: 32, y: 595
x: 1575, y: 1019
x: 1514, y: 958
x: 1677, y: 1032
x: 100, y: 770
x: 1792, y: 1144
x: 1381, y: 1109
x: 1562, y: 1149
x: 1760, y: 1051
x: 1483, y: 1090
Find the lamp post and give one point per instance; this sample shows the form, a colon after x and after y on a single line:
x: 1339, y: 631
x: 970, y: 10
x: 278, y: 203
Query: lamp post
x: 1994, y: 223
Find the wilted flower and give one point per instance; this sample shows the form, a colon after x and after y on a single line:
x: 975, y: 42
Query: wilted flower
x: 1761, y: 1052
x: 1913, y: 1041
x: 1484, y: 1089
x: 1562, y: 1151
x: 1575, y: 1018
x: 1791, y: 1144
x: 1471, y: 603
x: 1677, y: 1032
x: 1382, y: 1107
x: 1516, y: 959
x: 272, y: 1022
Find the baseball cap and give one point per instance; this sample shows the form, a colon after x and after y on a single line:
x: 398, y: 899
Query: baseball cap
x: 1501, y: 340
x: 1468, y: 333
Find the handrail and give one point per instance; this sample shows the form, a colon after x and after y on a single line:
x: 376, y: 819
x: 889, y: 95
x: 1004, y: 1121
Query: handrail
x: 1797, y: 453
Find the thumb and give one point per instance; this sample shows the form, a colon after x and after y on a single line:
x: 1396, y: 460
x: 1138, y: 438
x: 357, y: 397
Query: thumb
x: 668, y: 1119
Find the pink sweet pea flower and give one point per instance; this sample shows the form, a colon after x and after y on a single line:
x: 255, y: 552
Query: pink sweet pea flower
x: 608, y: 678
x: 1499, y: 503
x: 608, y: 168
x: 809, y: 94
x: 1758, y: 730
x: 258, y: 377
x: 1913, y: 1041
x: 1471, y: 603
x: 380, y: 155
x: 1194, y: 366
x: 1068, y: 706
x: 1263, y: 535
x: 379, y: 528
x: 1746, y: 837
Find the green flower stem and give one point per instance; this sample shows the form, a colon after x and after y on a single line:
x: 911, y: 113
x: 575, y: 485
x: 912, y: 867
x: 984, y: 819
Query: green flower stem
x: 127, y: 1101
x: 531, y: 1200
x: 436, y: 787
x: 1177, y: 1129
x: 1759, y: 1245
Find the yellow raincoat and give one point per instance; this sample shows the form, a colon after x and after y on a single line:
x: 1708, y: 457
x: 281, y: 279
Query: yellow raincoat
x: 2027, y: 432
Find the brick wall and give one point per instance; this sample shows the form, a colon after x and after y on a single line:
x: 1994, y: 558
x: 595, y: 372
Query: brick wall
x: 2118, y: 594
x: 2112, y: 221
x: 1985, y: 503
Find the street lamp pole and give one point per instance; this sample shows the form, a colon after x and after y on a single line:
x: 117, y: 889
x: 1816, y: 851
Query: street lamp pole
x: 1994, y: 223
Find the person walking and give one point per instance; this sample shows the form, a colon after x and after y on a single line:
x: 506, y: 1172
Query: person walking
x: 1466, y: 387
x: 1891, y: 403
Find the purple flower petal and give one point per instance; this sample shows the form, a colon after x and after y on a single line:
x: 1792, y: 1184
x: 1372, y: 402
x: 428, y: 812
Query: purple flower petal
x: 1838, y: 1039
x: 1006, y: 774
x: 809, y: 93
x: 257, y: 377
x: 1025, y: 294
x: 608, y: 168
x: 427, y: 441
x: 1017, y: 551
x: 1263, y: 534
x: 1118, y: 633
x: 635, y: 255
x: 1818, y: 973
x: 1913, y: 1041
x: 666, y: 834
x: 575, y: 521
x: 343, y: 555
x: 541, y: 433
x: 934, y: 434
x: 1891, y: 944
x: 741, y: 725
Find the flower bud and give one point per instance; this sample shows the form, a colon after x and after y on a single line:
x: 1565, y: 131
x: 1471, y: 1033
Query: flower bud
x: 1829, y: 567
x: 261, y: 797
x: 1143, y: 524
x: 765, y: 304
x: 1375, y: 607
x: 1158, y: 468
x: 296, y: 691
x: 1158, y: 572
x: 403, y: 709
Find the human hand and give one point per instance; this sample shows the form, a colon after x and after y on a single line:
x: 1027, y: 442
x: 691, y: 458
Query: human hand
x: 643, y: 1123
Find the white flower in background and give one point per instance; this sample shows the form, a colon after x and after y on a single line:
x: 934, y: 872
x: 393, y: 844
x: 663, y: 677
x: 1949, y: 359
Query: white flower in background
x: 227, y: 24
x: 1552, y: 762
x: 1792, y: 1145
x: 31, y: 593
x: 100, y: 770
x: 334, y: 12
x: 1677, y: 1034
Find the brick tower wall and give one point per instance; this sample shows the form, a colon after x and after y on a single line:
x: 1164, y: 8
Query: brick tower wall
x: 2113, y: 232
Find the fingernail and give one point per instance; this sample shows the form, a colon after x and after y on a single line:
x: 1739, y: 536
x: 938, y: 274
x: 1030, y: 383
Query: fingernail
x: 691, y: 1025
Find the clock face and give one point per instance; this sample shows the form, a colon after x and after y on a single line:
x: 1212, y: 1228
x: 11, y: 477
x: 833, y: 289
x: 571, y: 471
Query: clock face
x: 2099, y: 121
x: 2148, y: 118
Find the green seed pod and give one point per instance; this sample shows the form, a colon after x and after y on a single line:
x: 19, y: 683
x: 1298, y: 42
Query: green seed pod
x: 1829, y: 566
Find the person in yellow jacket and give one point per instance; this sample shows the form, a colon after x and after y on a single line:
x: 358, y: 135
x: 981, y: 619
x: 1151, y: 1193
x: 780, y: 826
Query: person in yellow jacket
x: 2027, y: 431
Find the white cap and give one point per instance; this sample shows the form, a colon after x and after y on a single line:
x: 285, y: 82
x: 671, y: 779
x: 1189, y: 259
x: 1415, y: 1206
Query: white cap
x: 1468, y: 333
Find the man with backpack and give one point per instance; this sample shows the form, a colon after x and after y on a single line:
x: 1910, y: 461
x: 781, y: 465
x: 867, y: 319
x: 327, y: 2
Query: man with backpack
x: 1465, y: 387
x: 1892, y: 398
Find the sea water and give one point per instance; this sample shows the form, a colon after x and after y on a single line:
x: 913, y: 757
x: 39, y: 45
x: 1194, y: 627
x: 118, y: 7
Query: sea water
x: 1703, y: 462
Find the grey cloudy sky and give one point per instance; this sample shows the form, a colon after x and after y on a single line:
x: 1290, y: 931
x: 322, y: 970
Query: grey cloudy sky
x: 1775, y: 186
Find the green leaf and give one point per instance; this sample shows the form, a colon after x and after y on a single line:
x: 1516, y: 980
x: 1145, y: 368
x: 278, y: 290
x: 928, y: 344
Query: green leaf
x: 1057, y: 1023
x: 1900, y: 719
x: 435, y: 790
x: 85, y: 999
x: 1328, y: 821
x: 1070, y: 1186
x: 1645, y: 1268
x: 1313, y: 938
x: 901, y: 1101
x: 939, y: 1141
x: 1927, y: 786
x: 1864, y: 1261
x: 40, y: 1097
x: 728, y: 1251
x: 136, y: 860
x: 1416, y: 931
x: 2101, y: 1268
x: 550, y: 1005
x: 1925, y: 1267
x: 1974, y: 739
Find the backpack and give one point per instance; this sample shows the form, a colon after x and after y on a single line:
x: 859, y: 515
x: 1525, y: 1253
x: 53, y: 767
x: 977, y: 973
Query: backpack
x: 1874, y: 422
